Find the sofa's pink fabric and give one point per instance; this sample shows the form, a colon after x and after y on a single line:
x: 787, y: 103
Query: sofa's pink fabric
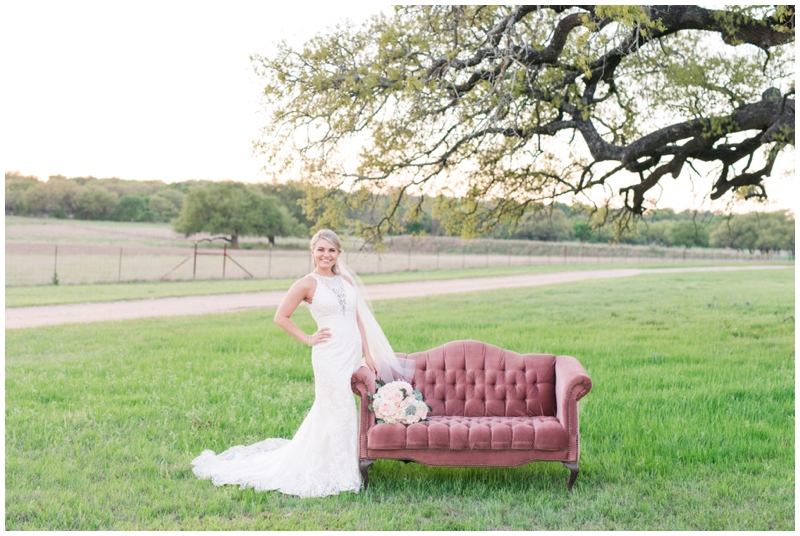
x: 472, y: 433
x: 491, y: 407
x: 572, y: 383
x: 363, y: 383
x: 474, y: 379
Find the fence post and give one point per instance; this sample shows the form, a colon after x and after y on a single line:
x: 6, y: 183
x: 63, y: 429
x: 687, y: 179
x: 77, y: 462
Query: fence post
x: 224, y: 258
x: 463, y: 255
x: 269, y: 263
x: 565, y: 254
x: 119, y: 271
x: 55, y: 268
x: 194, y: 268
x: 409, y: 256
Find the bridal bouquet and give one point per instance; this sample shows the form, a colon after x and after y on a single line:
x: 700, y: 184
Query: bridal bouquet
x: 398, y: 402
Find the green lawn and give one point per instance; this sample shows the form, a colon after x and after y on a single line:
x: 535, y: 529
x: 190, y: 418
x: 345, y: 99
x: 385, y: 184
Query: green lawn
x: 55, y: 295
x: 690, y: 424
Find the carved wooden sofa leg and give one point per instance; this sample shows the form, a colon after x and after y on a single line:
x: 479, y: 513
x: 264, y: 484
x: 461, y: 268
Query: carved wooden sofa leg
x: 363, y: 465
x: 573, y: 470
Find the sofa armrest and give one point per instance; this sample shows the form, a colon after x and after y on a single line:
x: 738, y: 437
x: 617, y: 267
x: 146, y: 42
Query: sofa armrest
x: 363, y: 382
x: 572, y: 383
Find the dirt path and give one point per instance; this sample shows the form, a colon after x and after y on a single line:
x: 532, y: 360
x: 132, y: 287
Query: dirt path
x: 51, y: 315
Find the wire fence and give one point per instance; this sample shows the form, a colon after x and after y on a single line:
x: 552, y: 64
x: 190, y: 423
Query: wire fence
x: 43, y: 264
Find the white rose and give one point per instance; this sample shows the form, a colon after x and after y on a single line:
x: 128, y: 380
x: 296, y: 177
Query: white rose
x: 422, y: 409
x: 384, y: 409
x: 387, y: 391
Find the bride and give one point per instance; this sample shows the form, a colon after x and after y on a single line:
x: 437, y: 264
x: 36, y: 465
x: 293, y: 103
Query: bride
x: 322, y: 458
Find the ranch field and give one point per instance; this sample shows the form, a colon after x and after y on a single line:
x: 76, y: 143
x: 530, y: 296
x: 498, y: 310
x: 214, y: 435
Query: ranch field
x: 690, y: 424
x: 41, y: 252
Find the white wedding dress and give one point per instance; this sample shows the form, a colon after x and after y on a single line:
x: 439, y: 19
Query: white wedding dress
x: 322, y: 458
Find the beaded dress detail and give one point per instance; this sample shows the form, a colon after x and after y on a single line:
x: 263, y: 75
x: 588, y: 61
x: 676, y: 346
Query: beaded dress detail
x: 336, y: 285
x: 322, y: 457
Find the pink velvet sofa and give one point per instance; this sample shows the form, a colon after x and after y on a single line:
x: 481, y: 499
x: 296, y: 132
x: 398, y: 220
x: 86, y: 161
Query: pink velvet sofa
x: 490, y: 408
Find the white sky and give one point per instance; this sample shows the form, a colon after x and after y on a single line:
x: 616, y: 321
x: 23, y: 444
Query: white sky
x: 165, y: 90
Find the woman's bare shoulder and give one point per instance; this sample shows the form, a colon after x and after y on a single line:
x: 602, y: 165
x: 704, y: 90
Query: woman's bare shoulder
x: 306, y: 280
x: 303, y: 286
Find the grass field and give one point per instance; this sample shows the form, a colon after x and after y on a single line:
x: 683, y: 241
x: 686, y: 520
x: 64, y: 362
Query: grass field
x: 56, y: 295
x: 690, y: 424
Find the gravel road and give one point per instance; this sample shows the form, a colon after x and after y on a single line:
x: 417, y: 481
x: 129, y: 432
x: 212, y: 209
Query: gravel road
x: 51, y: 315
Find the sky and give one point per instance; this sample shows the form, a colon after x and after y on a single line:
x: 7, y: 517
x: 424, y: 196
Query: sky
x: 166, y: 90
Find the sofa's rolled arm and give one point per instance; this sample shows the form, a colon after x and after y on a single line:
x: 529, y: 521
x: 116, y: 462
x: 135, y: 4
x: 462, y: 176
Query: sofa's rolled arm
x: 572, y: 383
x: 362, y: 383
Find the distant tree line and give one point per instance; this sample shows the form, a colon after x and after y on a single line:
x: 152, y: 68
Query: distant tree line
x: 233, y: 210
x: 771, y: 231
x: 755, y: 231
x: 88, y: 198
x: 229, y: 209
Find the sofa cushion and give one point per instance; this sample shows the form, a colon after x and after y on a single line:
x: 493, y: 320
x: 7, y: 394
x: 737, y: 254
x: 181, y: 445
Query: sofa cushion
x: 471, y: 433
x: 475, y: 379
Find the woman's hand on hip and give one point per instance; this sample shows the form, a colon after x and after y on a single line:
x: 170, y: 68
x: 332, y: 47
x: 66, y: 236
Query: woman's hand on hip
x: 321, y: 335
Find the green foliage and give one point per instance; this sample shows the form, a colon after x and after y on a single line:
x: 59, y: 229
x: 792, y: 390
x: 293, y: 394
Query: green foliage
x: 500, y: 108
x: 582, y: 230
x: 546, y: 225
x: 88, y: 198
x: 94, y: 203
x: 132, y: 208
x: 292, y: 195
x: 43, y: 198
x: 166, y: 204
x: 16, y: 184
x: 769, y: 231
x: 688, y: 234
x: 233, y: 209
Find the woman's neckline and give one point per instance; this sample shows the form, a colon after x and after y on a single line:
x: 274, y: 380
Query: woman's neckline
x: 325, y: 276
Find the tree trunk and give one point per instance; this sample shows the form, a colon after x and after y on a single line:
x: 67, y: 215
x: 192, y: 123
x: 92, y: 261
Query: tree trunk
x: 271, y: 240
x: 234, y: 241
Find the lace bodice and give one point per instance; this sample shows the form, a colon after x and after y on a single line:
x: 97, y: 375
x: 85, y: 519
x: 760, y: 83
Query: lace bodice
x: 334, y: 298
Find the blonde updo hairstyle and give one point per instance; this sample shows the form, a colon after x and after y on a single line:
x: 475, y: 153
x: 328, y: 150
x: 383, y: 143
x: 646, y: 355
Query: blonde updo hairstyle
x: 329, y: 236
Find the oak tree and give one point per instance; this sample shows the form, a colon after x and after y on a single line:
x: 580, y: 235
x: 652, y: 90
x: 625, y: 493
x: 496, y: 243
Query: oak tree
x: 233, y: 210
x: 504, y: 108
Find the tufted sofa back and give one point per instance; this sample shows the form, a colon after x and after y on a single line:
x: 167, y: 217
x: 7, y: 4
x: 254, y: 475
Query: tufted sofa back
x: 475, y: 379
